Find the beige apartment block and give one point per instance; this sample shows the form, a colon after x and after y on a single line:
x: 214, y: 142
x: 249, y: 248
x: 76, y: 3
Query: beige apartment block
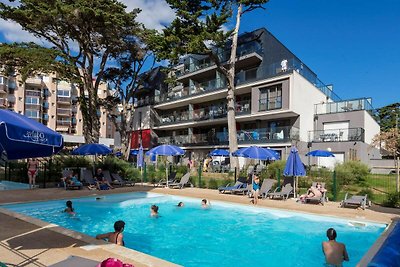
x: 53, y: 102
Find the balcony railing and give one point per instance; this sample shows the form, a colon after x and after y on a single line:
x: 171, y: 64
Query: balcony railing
x: 250, y: 136
x: 337, y: 135
x: 344, y: 106
x: 192, y: 64
x: 64, y: 111
x: 64, y: 99
x: 33, y: 93
x: 201, y: 114
x: 3, y: 102
x: 63, y: 122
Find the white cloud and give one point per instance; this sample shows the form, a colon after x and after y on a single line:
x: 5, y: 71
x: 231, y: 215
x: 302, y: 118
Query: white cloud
x: 155, y: 13
x: 13, y: 32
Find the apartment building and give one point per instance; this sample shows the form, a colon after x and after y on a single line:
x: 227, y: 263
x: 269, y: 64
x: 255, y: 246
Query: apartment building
x: 280, y: 102
x: 53, y: 102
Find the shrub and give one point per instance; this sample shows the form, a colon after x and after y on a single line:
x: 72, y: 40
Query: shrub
x: 212, y: 184
x: 75, y: 161
x: 393, y: 200
x: 275, y: 167
x: 351, y: 172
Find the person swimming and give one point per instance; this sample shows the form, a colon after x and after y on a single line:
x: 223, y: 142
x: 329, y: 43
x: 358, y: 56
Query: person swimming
x: 205, y: 203
x: 69, y: 209
x: 154, y: 211
x: 115, y: 237
x: 180, y: 204
x: 335, y: 252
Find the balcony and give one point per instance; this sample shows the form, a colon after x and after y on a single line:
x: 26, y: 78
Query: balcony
x: 32, y: 93
x: 32, y: 106
x: 3, y: 103
x: 249, y: 136
x: 3, y: 89
x: 46, y: 105
x: 142, y: 102
x: 35, y: 81
x: 337, y: 135
x: 63, y: 100
x: 344, y: 106
x: 63, y: 122
x: 202, y: 114
x: 64, y: 112
x: 246, y: 55
x: 45, y: 117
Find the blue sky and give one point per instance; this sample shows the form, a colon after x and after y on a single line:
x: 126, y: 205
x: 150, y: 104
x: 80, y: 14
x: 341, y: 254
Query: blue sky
x: 354, y: 44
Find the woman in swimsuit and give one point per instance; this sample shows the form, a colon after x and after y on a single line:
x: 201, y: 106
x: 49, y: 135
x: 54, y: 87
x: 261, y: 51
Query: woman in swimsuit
x: 69, y: 209
x: 256, y: 189
x: 115, y: 237
x: 32, y: 172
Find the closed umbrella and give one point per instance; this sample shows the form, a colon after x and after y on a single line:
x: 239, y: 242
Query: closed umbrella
x: 22, y: 137
x: 165, y: 150
x: 294, y: 167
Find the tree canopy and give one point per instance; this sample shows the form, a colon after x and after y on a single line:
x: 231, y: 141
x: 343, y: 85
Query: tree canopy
x: 81, y: 37
x: 386, y: 116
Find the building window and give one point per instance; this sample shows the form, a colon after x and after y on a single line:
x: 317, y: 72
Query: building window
x: 3, y: 80
x: 271, y: 97
x: 34, y: 114
x: 63, y: 93
x: 250, y: 74
x: 32, y: 101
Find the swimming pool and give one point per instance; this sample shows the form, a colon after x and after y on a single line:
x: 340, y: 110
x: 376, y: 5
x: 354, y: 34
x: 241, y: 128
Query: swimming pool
x: 224, y: 235
x: 8, y: 185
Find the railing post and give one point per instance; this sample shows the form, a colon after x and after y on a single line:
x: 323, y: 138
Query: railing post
x: 334, y: 186
x: 200, y: 176
x: 144, y: 172
x: 278, y: 175
x: 235, y: 174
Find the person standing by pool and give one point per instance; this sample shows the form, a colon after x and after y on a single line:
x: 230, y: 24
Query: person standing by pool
x: 33, y: 166
x: 256, y: 189
x: 115, y: 237
x: 154, y: 211
x: 335, y: 252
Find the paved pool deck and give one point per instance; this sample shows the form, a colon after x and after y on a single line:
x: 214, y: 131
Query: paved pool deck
x: 26, y: 241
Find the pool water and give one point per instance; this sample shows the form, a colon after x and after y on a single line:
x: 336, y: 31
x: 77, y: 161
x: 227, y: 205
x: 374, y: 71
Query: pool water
x: 8, y: 185
x: 223, y: 235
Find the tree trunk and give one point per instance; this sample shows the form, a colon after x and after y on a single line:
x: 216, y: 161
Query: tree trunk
x: 233, y: 143
x: 89, y: 106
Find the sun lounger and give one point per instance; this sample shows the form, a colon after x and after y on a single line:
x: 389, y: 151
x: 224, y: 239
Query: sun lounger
x: 354, y: 201
x: 110, y: 179
x: 228, y: 188
x: 76, y: 261
x: 65, y: 175
x: 317, y: 200
x: 121, y: 180
x: 266, y: 187
x: 245, y: 189
x: 87, y: 177
x: 171, y: 180
x: 283, y: 194
x: 184, y: 180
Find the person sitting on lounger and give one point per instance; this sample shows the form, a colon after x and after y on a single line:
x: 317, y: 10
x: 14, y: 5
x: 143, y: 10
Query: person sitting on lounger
x: 205, y: 203
x: 115, y: 237
x: 154, y: 211
x: 72, y: 180
x: 313, y: 192
x: 69, y: 209
x: 335, y: 252
x: 101, y: 181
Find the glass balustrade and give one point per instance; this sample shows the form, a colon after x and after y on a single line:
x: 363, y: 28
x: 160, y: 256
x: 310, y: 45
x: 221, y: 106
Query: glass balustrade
x: 337, y: 135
